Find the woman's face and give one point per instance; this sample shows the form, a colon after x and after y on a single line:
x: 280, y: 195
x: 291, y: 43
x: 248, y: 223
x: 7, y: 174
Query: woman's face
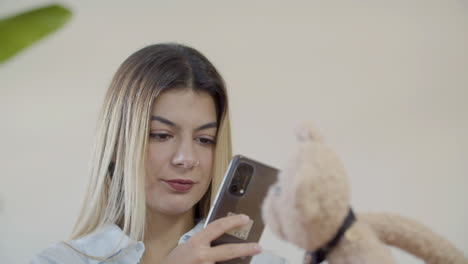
x: 180, y: 151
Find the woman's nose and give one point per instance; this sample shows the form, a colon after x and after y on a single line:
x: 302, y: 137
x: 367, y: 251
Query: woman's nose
x: 184, y: 157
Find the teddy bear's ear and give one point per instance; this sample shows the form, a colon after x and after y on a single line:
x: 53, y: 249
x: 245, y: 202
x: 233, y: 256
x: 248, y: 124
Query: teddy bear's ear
x: 306, y: 131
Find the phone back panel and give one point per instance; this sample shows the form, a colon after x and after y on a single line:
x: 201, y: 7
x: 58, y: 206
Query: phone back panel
x: 226, y: 203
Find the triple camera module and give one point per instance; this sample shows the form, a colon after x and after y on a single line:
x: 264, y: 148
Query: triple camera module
x: 241, y: 179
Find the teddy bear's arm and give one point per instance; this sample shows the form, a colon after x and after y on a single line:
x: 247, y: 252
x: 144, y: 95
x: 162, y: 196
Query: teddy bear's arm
x: 414, y: 238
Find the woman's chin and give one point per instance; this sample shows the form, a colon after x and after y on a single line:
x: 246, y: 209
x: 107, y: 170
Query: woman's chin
x: 171, y: 204
x: 175, y: 211
x: 171, y: 209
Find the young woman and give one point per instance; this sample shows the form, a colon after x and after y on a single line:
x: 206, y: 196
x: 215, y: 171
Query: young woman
x: 163, y: 144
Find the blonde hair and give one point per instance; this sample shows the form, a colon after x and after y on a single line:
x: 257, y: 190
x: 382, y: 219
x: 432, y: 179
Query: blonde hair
x: 116, y: 190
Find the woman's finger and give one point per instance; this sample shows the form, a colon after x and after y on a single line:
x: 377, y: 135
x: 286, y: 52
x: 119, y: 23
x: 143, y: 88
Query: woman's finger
x: 234, y: 250
x: 219, y: 227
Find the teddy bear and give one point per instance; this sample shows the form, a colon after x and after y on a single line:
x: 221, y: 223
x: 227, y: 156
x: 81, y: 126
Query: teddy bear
x: 309, y: 206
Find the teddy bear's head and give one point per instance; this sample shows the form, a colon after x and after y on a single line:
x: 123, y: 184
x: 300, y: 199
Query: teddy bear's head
x: 308, y: 203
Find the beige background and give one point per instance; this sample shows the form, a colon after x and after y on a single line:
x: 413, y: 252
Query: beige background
x: 385, y: 81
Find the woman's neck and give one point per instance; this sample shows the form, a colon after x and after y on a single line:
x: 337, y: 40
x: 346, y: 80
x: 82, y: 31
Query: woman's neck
x: 162, y: 234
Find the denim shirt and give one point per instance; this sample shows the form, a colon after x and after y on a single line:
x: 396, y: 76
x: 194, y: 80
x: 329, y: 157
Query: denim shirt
x: 111, y: 239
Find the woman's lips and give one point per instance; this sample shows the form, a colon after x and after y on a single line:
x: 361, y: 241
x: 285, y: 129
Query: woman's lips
x: 180, y: 185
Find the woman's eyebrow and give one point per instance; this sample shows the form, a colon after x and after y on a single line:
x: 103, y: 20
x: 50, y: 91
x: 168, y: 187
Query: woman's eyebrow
x: 163, y: 120
x: 206, y: 126
x: 172, y: 124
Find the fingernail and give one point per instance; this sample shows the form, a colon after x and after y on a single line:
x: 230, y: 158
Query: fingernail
x: 258, y: 248
x: 245, y: 218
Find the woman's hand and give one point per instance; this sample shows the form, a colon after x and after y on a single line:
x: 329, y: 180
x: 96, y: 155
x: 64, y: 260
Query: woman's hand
x: 198, y: 250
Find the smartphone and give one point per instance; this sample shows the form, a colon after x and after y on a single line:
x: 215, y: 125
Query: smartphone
x: 242, y: 191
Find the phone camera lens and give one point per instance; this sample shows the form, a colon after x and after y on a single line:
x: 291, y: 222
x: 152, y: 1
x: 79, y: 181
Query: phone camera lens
x: 234, y: 188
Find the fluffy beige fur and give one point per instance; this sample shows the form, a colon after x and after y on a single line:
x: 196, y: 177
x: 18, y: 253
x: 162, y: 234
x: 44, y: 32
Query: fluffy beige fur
x: 311, y: 199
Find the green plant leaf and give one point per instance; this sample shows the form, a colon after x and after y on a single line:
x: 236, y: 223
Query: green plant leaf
x: 20, y: 31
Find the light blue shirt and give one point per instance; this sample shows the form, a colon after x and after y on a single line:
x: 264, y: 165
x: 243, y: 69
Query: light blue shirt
x: 111, y: 239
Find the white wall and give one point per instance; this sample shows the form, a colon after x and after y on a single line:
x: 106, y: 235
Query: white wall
x: 385, y: 81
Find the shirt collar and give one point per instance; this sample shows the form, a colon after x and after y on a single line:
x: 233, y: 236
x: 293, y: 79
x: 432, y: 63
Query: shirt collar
x: 110, y: 241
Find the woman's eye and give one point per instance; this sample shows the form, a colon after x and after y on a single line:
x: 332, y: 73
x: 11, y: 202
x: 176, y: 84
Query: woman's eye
x: 206, y: 141
x: 160, y: 136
